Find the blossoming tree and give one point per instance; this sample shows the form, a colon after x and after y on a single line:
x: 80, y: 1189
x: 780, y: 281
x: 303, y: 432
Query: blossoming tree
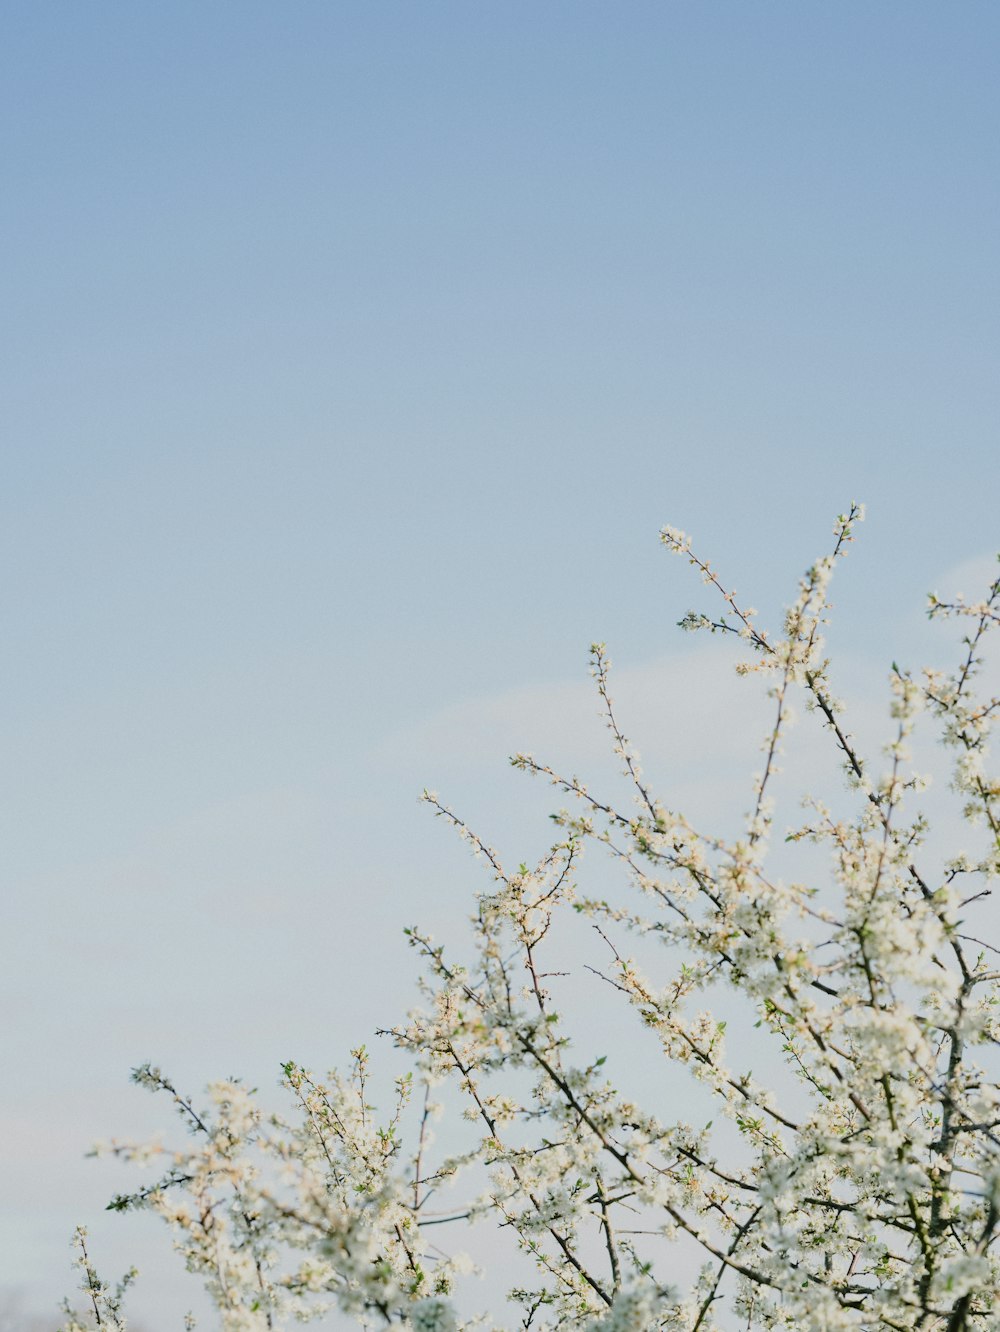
x: 867, y: 1196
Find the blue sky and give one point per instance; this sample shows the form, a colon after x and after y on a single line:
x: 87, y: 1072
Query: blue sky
x: 353, y: 355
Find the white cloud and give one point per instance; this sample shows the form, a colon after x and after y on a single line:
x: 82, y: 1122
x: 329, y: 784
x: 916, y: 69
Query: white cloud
x: 697, y: 724
x: 969, y: 578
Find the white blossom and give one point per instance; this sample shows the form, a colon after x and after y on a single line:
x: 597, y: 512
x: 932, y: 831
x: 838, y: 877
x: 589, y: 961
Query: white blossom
x: 861, y: 1193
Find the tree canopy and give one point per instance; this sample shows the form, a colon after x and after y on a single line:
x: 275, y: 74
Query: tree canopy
x: 853, y: 1181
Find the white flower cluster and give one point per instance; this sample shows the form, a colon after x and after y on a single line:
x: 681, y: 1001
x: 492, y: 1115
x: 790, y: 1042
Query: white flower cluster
x: 866, y: 1197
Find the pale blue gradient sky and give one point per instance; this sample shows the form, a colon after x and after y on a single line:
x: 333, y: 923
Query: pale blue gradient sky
x: 353, y: 355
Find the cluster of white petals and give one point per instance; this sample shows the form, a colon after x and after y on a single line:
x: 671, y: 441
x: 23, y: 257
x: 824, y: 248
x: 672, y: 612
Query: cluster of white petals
x: 862, y: 1193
